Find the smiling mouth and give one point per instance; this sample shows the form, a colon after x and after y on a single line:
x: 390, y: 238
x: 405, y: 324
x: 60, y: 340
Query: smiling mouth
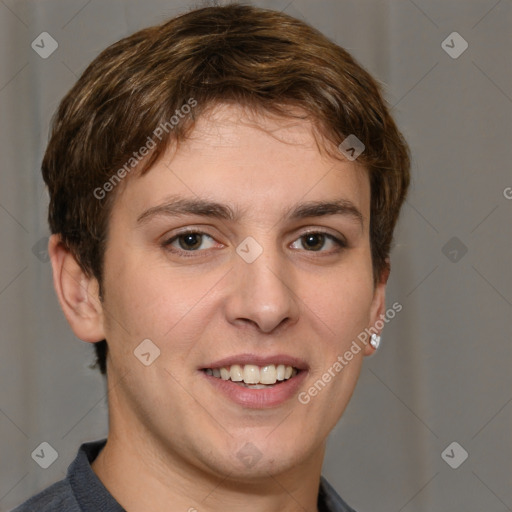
x: 253, y: 376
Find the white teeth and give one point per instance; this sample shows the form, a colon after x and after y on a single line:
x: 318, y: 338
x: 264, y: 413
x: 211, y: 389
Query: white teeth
x: 268, y: 374
x: 236, y: 373
x: 252, y: 375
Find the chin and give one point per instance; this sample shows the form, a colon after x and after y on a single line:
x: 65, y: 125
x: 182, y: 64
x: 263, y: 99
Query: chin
x: 255, y: 456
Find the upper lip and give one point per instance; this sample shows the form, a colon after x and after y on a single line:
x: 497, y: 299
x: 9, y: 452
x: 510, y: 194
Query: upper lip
x: 259, y: 360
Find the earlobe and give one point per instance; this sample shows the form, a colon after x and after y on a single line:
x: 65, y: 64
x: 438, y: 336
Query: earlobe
x: 78, y: 293
x: 378, y: 309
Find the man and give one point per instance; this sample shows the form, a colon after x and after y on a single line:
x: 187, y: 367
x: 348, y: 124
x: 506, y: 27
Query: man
x: 224, y: 189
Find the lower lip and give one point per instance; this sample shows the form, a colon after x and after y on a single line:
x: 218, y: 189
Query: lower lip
x: 258, y: 398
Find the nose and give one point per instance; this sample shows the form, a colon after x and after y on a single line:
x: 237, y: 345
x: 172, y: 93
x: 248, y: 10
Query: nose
x: 262, y: 293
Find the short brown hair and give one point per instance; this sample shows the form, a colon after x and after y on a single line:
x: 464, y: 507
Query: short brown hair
x: 254, y: 57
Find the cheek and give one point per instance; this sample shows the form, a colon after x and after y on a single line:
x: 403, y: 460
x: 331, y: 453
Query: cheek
x: 350, y: 311
x: 343, y: 307
x: 342, y: 300
x: 150, y: 300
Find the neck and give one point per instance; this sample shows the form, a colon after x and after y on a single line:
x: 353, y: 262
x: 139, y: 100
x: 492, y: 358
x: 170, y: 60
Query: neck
x: 142, y: 475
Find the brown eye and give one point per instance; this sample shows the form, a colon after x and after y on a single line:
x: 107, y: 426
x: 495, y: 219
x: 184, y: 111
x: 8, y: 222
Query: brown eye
x: 316, y: 241
x: 189, y: 241
x: 313, y: 241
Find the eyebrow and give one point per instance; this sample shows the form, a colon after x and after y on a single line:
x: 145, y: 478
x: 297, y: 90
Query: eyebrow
x: 178, y: 206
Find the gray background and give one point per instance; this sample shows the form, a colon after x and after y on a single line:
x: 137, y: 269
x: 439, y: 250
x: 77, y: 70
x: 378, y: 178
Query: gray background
x: 443, y: 372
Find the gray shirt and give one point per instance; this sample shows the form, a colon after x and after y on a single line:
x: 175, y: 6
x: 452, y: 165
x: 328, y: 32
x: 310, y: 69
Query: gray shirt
x: 82, y: 491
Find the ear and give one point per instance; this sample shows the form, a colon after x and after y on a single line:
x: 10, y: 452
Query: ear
x: 378, y: 306
x: 78, y: 294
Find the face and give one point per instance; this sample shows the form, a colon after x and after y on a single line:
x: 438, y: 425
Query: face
x: 234, y: 295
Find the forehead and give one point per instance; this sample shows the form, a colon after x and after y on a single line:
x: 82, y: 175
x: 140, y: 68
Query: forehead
x: 257, y: 163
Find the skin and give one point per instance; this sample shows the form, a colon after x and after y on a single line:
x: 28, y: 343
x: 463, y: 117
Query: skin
x: 173, y: 438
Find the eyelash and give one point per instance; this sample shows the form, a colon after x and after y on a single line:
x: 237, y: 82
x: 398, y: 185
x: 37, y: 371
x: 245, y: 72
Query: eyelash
x: 342, y: 244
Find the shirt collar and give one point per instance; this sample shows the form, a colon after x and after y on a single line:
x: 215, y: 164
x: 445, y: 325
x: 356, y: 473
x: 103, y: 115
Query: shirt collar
x: 329, y: 500
x: 90, y: 493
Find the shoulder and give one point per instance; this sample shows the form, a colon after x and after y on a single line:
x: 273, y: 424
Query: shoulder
x: 56, y: 498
